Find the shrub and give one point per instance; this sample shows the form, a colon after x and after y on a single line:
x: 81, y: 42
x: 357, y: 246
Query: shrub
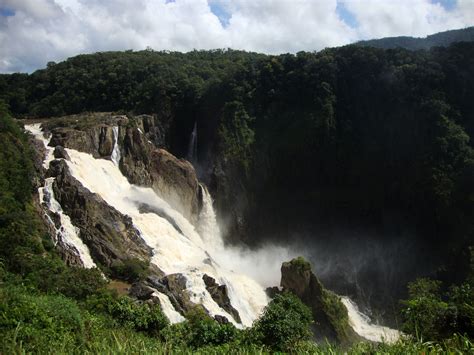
x: 36, y: 320
x: 130, y: 270
x: 424, y: 312
x: 129, y: 313
x: 284, y: 323
x: 201, y: 330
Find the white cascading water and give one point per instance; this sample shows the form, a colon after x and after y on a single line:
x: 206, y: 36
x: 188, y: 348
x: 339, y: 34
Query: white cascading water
x: 363, y: 326
x: 208, y: 227
x: 179, y: 248
x: 115, y: 157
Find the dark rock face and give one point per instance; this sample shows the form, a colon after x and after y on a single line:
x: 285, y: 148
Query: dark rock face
x: 109, y: 234
x: 97, y: 140
x: 173, y: 285
x: 220, y: 295
x: 60, y: 153
x: 171, y: 178
x: 141, y: 291
x: 330, y: 315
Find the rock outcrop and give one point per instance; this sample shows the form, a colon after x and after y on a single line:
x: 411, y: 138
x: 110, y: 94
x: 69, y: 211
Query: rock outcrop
x: 171, y: 178
x: 331, y: 320
x: 220, y: 295
x: 172, y: 285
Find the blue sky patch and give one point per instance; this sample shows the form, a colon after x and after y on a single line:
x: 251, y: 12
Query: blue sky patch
x: 6, y: 12
x: 447, y: 4
x: 346, y: 15
x: 222, y: 14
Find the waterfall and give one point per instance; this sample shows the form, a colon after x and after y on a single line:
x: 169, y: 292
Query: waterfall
x: 116, y: 151
x: 175, y: 250
x: 192, y: 147
x: 363, y: 326
x: 207, y: 227
x: 67, y: 233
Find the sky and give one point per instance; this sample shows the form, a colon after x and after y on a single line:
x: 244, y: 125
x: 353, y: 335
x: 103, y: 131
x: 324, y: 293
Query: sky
x: 35, y: 32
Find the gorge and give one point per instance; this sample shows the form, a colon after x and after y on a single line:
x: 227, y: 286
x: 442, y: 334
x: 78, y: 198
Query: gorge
x: 189, y: 264
x: 216, y: 198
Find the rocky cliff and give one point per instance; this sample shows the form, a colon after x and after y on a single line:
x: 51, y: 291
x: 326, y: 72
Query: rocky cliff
x: 331, y: 319
x: 142, y: 161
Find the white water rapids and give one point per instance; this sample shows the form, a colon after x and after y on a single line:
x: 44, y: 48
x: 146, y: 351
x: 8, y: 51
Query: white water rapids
x: 363, y: 326
x: 179, y: 247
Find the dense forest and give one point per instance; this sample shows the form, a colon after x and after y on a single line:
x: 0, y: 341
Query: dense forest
x: 307, y: 146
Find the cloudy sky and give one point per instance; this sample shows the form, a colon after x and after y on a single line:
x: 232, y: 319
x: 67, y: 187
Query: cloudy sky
x: 34, y: 32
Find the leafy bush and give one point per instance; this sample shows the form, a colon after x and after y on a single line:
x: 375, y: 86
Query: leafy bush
x: 431, y: 315
x: 284, y: 323
x: 424, y: 312
x: 37, y: 319
x: 130, y: 270
x: 129, y: 313
x: 201, y: 330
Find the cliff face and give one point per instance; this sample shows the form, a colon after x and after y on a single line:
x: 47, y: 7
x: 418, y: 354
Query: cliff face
x: 141, y: 161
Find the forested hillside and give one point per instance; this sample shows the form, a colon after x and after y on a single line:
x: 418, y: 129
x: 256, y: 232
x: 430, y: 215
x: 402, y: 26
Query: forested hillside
x: 356, y: 139
x: 441, y: 39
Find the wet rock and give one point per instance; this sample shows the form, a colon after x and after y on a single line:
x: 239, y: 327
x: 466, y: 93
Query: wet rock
x: 272, y: 291
x: 171, y: 178
x: 221, y: 319
x: 141, y: 291
x: 60, y: 153
x: 331, y: 320
x: 175, y: 289
x: 142, y: 162
x: 220, y: 295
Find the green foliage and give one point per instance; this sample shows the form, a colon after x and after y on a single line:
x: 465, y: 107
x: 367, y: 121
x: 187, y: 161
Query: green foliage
x: 129, y: 313
x: 200, y: 330
x: 284, y: 323
x: 235, y: 135
x: 33, y: 319
x: 425, y: 312
x: 130, y: 270
x: 429, y: 314
x: 301, y: 263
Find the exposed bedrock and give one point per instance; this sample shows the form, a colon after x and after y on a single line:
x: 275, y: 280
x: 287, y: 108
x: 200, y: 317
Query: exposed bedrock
x: 331, y: 320
x: 220, y: 295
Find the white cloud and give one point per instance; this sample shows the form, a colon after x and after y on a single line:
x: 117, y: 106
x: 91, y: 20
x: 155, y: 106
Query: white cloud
x: 45, y: 30
x: 385, y: 18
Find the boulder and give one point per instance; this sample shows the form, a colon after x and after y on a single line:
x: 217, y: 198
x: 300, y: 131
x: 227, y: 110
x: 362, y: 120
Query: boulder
x: 220, y: 295
x: 175, y: 289
x: 331, y: 320
x: 60, y: 153
x: 141, y: 291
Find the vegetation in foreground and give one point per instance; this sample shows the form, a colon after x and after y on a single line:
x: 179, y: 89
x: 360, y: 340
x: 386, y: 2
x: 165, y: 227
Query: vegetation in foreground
x: 47, y: 307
